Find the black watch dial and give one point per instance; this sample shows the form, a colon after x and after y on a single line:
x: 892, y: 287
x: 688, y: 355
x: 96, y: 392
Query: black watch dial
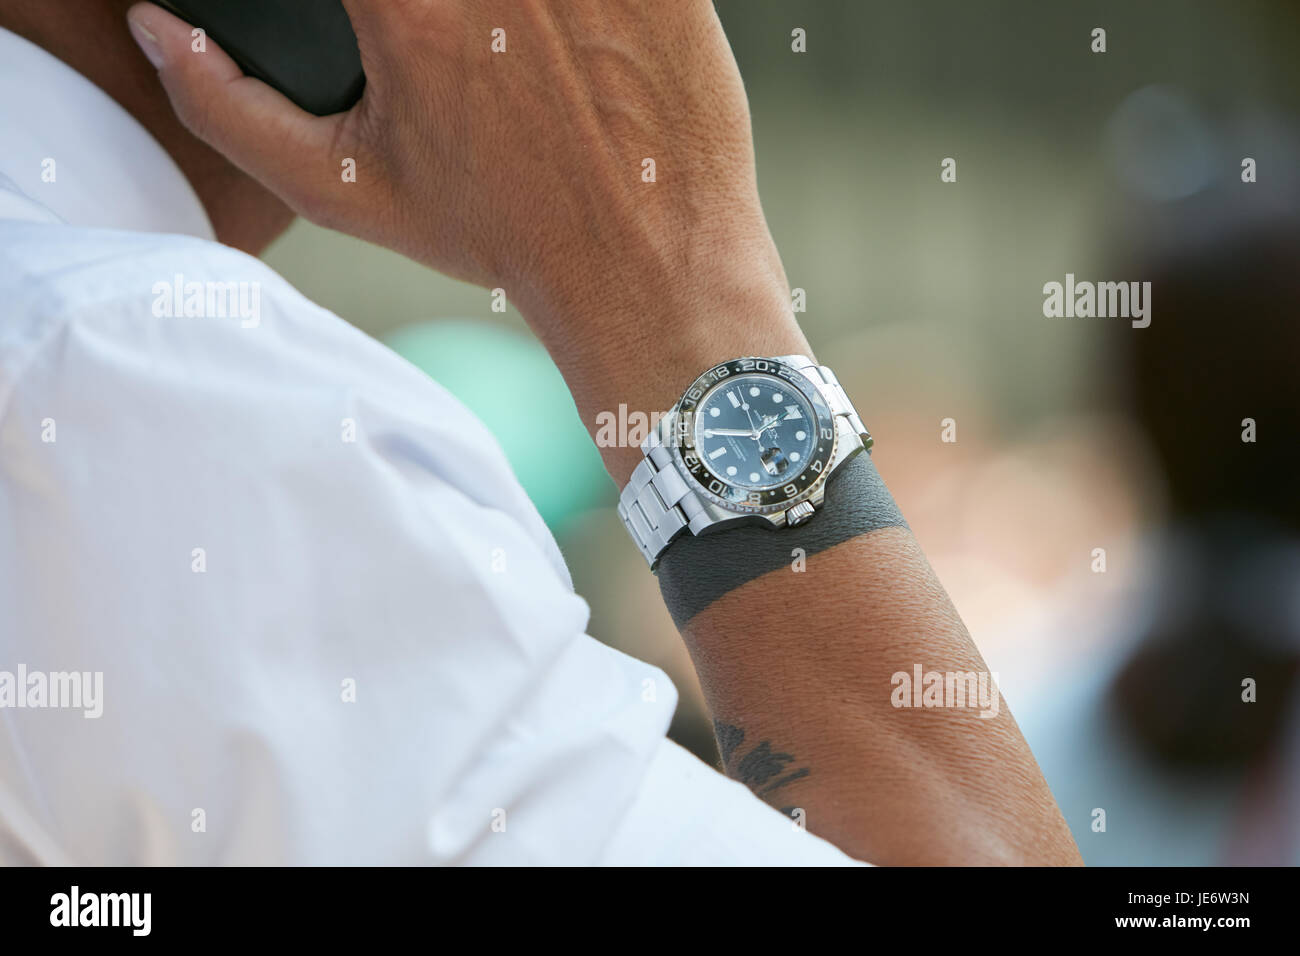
x: 755, y: 434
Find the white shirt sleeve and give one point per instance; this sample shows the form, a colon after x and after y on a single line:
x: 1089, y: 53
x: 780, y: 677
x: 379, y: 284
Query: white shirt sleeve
x: 325, y: 623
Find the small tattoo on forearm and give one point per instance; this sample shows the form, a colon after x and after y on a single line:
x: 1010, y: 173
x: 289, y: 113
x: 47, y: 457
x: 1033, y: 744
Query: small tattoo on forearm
x: 759, y: 767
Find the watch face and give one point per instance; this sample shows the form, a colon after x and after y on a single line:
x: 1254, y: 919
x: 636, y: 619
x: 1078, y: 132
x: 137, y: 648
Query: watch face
x: 755, y: 435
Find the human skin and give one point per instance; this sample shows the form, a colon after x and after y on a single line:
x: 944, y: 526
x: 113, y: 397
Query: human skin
x: 523, y: 170
x: 92, y: 37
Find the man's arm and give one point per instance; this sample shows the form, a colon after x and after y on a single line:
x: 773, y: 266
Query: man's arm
x: 594, y: 160
x: 798, y: 668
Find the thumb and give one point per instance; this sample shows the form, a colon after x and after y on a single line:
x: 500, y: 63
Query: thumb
x: 288, y: 150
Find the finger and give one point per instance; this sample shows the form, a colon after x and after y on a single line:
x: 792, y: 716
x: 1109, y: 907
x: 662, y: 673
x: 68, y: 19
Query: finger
x: 389, y: 32
x: 366, y: 15
x: 381, y: 16
x: 261, y: 131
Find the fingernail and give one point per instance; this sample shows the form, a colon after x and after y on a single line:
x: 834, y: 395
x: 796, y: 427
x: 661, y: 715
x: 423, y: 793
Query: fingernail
x: 147, y: 42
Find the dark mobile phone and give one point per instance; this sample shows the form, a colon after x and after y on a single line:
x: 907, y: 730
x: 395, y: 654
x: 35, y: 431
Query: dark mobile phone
x: 304, y: 48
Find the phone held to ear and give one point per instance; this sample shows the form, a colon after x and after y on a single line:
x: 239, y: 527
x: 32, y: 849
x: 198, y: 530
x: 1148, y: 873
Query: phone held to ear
x: 304, y: 48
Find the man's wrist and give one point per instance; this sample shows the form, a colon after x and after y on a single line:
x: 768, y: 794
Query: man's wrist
x: 639, y: 345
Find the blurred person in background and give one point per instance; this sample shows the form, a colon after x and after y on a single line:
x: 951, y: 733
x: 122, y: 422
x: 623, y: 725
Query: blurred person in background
x: 1182, y: 745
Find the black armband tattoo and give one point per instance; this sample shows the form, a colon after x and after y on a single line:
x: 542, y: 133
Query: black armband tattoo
x: 696, y: 571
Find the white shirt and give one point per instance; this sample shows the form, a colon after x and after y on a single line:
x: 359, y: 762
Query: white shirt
x: 330, y: 626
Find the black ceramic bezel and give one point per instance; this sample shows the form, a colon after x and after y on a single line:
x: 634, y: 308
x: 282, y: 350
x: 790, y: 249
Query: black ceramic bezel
x: 743, y: 500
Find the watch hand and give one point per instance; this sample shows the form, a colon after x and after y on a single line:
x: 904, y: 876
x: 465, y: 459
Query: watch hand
x: 736, y: 432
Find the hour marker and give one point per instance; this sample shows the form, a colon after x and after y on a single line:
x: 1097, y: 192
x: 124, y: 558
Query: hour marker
x: 794, y: 456
x: 778, y: 397
x: 715, y: 411
x: 753, y: 391
x: 731, y: 470
x: 718, y: 452
x: 735, y: 402
x: 753, y: 476
x: 800, y: 435
x: 793, y: 411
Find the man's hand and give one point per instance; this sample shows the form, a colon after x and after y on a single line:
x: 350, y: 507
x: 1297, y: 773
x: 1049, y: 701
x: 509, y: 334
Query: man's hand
x: 599, y: 168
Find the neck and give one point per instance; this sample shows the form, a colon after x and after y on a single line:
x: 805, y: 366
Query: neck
x: 92, y: 38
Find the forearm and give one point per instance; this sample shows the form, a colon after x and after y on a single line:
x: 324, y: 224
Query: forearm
x: 802, y: 663
x: 797, y: 666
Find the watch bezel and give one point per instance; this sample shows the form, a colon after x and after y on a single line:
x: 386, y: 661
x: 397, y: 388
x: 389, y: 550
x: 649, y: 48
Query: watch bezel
x: 732, y: 497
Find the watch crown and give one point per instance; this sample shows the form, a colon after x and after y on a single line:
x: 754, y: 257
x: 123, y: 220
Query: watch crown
x: 799, y: 513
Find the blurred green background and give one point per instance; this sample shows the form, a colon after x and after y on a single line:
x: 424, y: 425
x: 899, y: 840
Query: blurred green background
x: 925, y: 296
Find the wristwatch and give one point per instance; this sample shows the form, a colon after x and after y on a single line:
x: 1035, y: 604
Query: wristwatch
x: 752, y: 441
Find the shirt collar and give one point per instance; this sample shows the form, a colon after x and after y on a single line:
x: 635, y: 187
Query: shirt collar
x: 71, y: 154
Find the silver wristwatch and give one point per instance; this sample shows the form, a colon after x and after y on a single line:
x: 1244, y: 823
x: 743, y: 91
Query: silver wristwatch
x: 753, y: 440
